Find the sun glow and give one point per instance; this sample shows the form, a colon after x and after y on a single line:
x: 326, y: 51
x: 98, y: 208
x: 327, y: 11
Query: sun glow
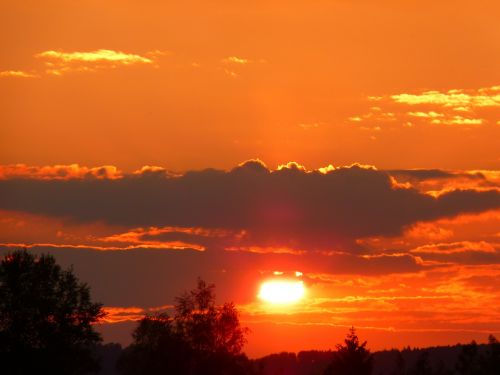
x: 281, y: 291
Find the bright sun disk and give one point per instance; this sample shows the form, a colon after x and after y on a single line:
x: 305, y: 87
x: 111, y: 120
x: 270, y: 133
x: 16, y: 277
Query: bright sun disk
x: 281, y: 291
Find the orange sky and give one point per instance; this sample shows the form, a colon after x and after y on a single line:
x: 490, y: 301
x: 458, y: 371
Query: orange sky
x: 217, y: 83
x: 107, y: 108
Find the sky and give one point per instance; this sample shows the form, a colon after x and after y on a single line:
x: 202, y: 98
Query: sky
x: 351, y: 145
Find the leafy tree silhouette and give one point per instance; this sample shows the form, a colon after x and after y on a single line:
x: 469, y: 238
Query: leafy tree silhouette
x: 156, y: 349
x: 207, y: 327
x: 46, y: 318
x: 201, y: 338
x: 352, y: 358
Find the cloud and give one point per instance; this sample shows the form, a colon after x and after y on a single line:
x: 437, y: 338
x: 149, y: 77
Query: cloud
x: 236, y: 60
x: 137, y: 235
x: 310, y: 125
x: 437, y: 181
x: 428, y: 174
x: 60, y: 62
x: 174, y: 245
x: 440, y: 118
x: 170, y: 237
x: 430, y: 114
x: 456, y: 247
x: 455, y: 107
x: 286, y: 208
x: 232, y: 63
x: 59, y: 172
x: 118, y: 314
x: 101, y: 55
x: 463, y: 252
x: 457, y: 99
x: 428, y: 231
x: 17, y: 74
x: 153, y: 171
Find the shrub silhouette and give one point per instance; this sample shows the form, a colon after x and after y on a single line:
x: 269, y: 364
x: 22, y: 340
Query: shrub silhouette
x: 46, y: 318
x: 352, y: 358
x: 200, y: 338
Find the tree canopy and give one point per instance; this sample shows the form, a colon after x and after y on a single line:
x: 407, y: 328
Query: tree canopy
x: 200, y: 338
x: 46, y: 317
x: 352, y: 358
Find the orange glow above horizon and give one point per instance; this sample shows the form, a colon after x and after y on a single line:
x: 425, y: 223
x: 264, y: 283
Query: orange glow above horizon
x: 282, y: 292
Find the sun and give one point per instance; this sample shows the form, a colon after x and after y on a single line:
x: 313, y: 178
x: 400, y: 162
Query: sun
x: 281, y: 291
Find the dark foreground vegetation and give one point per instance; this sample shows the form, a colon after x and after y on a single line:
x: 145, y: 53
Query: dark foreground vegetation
x: 201, y: 338
x: 47, y: 327
x: 46, y: 318
x: 469, y: 359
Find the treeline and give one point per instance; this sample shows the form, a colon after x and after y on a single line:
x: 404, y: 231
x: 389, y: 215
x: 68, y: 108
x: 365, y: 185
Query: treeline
x: 468, y: 359
x: 47, y: 326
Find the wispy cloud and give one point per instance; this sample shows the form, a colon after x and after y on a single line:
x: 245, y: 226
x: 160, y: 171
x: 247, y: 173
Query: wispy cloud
x: 59, y: 62
x: 17, y: 74
x: 232, y: 65
x: 455, y: 247
x: 236, y: 60
x: 118, y: 314
x: 456, y: 107
x: 172, y: 245
x: 457, y: 99
x: 310, y: 125
x: 101, y: 55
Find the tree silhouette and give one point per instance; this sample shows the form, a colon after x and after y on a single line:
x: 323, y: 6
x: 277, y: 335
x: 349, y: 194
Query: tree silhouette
x: 352, y: 358
x: 201, y: 338
x: 422, y: 366
x: 490, y: 361
x: 400, y: 364
x: 156, y: 349
x: 442, y: 369
x: 207, y: 327
x: 46, y: 318
x: 469, y: 361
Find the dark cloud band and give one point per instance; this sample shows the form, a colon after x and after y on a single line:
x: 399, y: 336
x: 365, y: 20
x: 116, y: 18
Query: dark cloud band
x: 288, y: 207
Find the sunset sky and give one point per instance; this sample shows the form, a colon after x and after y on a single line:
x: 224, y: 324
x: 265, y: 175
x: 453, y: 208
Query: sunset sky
x: 353, y: 146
